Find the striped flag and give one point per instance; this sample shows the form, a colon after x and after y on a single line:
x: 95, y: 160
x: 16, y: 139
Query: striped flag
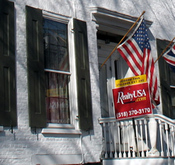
x: 169, y: 57
x: 136, y: 51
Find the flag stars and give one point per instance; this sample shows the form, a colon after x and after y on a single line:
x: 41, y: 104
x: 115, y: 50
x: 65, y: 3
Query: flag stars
x: 141, y: 37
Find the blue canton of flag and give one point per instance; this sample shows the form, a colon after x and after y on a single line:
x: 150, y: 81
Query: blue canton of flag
x: 141, y: 36
x: 169, y: 57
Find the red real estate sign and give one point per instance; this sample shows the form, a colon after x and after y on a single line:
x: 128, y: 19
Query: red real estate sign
x: 132, y: 101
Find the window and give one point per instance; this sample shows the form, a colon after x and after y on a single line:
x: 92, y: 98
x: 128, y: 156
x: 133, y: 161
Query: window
x: 167, y: 77
x: 50, y: 74
x: 7, y: 65
x: 57, y: 72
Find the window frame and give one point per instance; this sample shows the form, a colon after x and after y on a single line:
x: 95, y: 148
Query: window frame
x: 72, y: 84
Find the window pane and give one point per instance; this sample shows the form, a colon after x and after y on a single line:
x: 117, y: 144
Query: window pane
x: 55, y: 45
x: 57, y: 98
x: 56, y: 58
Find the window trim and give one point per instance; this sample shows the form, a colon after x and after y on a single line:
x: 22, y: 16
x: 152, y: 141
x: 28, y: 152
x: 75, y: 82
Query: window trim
x: 66, y: 129
x: 73, y: 127
x: 56, y: 17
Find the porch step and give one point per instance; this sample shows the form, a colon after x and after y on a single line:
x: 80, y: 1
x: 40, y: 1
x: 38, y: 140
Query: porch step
x: 139, y: 161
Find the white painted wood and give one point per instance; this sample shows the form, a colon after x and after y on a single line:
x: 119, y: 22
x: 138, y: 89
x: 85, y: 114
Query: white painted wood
x: 119, y: 141
x: 140, y: 161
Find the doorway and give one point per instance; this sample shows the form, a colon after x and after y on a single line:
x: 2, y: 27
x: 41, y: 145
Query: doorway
x: 114, y: 68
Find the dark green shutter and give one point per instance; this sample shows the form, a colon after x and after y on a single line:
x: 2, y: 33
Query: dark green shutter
x: 164, y: 79
x: 7, y: 65
x: 35, y: 66
x: 83, y: 75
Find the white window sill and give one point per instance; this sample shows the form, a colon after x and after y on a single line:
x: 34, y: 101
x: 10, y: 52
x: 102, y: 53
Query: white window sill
x: 62, y: 129
x: 1, y: 128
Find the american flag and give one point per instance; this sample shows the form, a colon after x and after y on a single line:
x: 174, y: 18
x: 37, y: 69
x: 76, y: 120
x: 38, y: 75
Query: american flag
x: 136, y: 51
x: 169, y: 57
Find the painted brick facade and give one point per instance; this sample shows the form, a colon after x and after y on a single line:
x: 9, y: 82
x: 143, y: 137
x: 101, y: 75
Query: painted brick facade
x: 22, y: 145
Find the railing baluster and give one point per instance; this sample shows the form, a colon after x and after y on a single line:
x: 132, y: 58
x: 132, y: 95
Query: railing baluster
x: 110, y: 140
x: 124, y: 142
x: 161, y: 138
x: 106, y: 148
x: 133, y: 151
x: 141, y: 133
x: 171, y: 141
x: 167, y: 140
x: 115, y: 139
x: 137, y: 140
x: 128, y: 135
x: 119, y: 142
x: 146, y: 135
x: 105, y: 141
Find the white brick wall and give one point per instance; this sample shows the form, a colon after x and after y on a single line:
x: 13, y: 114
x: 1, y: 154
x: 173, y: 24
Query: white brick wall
x: 24, y: 147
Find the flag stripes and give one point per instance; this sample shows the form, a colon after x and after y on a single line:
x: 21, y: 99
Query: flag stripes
x: 169, y: 56
x: 136, y: 51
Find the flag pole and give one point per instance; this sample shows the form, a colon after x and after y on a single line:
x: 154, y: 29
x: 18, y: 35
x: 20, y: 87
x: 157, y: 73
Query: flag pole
x: 164, y: 50
x: 122, y: 38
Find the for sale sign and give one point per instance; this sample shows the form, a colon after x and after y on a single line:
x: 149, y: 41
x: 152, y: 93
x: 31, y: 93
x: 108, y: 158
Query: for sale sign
x: 131, y: 97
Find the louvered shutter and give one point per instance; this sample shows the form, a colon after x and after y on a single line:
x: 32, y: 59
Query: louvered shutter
x: 35, y: 66
x: 8, y: 115
x: 164, y: 79
x: 83, y: 76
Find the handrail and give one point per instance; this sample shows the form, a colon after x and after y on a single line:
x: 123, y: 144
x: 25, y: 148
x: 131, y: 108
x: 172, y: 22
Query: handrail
x: 165, y: 118
x: 156, y: 116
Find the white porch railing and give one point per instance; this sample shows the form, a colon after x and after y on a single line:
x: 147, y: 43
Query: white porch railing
x: 153, y: 135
